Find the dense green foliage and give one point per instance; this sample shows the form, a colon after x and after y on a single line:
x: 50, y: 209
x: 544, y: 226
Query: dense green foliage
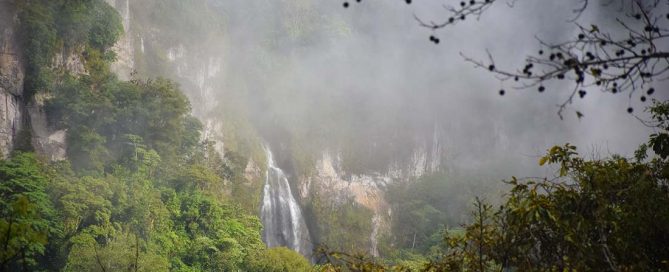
x: 596, y: 215
x: 119, y: 116
x: 27, y: 216
x: 140, y: 191
x: 279, y: 259
x: 422, y: 209
x: 191, y: 32
x: 343, y: 225
x: 49, y: 27
x: 57, y: 219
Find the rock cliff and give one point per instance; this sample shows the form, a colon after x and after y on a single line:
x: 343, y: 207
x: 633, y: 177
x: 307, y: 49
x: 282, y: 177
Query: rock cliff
x: 12, y: 105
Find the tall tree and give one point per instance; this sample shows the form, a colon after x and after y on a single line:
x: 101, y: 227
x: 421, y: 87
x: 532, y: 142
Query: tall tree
x: 27, y: 216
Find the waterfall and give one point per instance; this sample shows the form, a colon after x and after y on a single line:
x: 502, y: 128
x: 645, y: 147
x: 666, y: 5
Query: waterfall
x: 283, y: 224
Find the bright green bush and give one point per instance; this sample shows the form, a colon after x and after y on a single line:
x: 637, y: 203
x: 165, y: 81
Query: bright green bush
x: 139, y: 191
x: 278, y: 259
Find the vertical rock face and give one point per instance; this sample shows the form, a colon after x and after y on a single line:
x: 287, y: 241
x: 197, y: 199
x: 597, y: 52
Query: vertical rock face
x: 365, y: 189
x: 125, y: 55
x: 280, y: 213
x: 201, y: 70
x: 368, y: 189
x: 16, y: 111
x: 11, y: 78
x: 199, y: 74
x: 10, y: 121
x: 46, y: 141
x: 194, y: 70
x: 70, y: 61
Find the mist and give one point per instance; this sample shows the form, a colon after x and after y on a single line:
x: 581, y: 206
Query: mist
x: 353, y: 102
x: 367, y: 77
x: 275, y: 135
x: 363, y: 89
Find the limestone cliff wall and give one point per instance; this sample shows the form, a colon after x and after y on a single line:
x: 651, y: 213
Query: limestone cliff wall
x: 368, y: 189
x: 18, y: 112
x: 11, y: 79
x: 202, y: 72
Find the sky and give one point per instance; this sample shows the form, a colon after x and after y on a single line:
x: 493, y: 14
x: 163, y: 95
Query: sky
x: 367, y: 76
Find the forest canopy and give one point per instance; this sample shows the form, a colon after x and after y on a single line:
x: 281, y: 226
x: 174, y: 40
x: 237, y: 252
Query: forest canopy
x: 608, y: 214
x: 142, y: 189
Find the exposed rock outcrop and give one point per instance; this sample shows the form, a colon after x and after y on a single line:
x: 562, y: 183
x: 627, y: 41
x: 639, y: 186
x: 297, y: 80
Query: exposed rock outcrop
x: 368, y: 190
x: 124, y: 49
x: 46, y: 141
x: 201, y: 72
x: 11, y: 79
x: 17, y: 111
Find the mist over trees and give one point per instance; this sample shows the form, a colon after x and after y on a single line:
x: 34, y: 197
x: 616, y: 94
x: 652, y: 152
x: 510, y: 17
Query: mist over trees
x: 592, y: 214
x: 140, y: 190
x: 605, y: 214
x: 144, y: 189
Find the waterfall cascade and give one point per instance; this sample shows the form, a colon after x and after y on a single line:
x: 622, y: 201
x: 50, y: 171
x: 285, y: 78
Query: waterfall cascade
x: 283, y: 224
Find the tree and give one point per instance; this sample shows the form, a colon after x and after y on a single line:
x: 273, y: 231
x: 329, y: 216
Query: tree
x: 139, y: 190
x: 625, y: 58
x: 27, y: 216
x: 124, y: 252
x: 595, y: 215
x: 278, y: 259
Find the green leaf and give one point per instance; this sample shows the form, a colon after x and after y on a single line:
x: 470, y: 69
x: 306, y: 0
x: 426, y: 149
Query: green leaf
x: 543, y: 160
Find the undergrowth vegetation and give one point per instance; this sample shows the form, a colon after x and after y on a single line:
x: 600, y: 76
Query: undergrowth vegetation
x: 140, y: 190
